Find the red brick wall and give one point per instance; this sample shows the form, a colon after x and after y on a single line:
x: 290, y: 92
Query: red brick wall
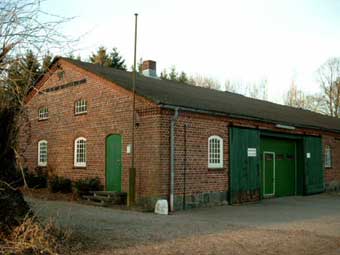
x: 332, y: 175
x: 109, y: 112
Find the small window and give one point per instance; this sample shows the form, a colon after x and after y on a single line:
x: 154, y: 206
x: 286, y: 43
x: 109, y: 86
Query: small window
x: 43, y: 113
x: 42, y: 153
x: 215, y: 153
x: 328, y: 157
x: 80, y: 152
x: 81, y: 106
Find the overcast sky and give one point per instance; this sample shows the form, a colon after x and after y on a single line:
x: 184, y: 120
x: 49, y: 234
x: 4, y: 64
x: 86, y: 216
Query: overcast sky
x: 245, y: 40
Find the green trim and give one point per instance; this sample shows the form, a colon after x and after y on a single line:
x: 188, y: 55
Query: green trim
x: 280, y: 135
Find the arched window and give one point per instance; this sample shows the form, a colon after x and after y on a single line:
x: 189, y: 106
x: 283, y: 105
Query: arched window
x: 42, y: 153
x: 80, y: 152
x: 328, y: 156
x: 80, y: 106
x: 215, y: 152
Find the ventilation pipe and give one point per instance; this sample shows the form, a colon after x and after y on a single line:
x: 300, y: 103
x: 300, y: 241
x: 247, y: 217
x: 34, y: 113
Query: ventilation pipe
x: 172, y: 158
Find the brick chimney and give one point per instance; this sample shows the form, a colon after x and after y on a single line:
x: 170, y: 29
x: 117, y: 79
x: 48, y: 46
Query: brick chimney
x: 149, y: 68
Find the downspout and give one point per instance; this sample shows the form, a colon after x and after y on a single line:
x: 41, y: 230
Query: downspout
x: 172, y: 158
x: 185, y: 166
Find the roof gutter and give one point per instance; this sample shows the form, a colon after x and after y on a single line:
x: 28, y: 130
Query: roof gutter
x: 245, y: 117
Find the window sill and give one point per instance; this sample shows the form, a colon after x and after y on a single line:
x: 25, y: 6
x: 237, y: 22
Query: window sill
x: 81, y: 113
x: 43, y: 119
x: 216, y: 169
x: 79, y: 167
x: 328, y: 167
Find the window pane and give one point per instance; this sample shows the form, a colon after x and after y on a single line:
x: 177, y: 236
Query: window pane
x: 81, y: 152
x: 42, y: 153
x: 81, y: 106
x: 43, y: 113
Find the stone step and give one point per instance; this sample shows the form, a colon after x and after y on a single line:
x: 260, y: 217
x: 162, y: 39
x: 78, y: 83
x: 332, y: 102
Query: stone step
x: 110, y: 197
x: 99, y: 198
x: 108, y: 193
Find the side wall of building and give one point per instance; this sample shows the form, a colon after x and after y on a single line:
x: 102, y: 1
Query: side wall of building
x: 109, y: 112
x: 194, y: 180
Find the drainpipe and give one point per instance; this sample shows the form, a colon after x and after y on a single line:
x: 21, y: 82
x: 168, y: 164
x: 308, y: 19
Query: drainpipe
x: 172, y: 158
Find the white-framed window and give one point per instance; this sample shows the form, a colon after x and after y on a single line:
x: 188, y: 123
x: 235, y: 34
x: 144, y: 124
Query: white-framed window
x: 80, y: 106
x: 215, y: 152
x: 42, y: 153
x: 328, y: 156
x: 80, y: 152
x: 43, y: 113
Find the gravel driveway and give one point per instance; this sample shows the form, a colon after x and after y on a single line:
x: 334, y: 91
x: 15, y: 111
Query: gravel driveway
x: 292, y: 225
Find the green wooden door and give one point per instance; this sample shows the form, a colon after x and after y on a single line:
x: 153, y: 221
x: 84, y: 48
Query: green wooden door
x: 114, y: 163
x: 285, y: 166
x: 314, y: 175
x: 244, y: 164
x: 268, y: 174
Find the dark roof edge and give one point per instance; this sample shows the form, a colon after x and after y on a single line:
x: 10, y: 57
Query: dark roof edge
x: 244, y: 117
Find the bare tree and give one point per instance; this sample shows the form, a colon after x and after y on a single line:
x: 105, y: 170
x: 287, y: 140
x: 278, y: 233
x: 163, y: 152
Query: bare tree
x: 258, y: 90
x: 299, y: 99
x: 24, y: 27
x: 203, y: 81
x: 329, y: 79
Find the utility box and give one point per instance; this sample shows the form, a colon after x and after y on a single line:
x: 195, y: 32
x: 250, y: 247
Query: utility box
x: 161, y: 207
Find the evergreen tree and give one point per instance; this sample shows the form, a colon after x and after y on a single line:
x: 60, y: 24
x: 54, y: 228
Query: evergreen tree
x: 47, y: 60
x: 101, y: 57
x: 164, y: 75
x: 173, y: 74
x: 183, y: 78
x: 116, y: 60
x: 24, y: 72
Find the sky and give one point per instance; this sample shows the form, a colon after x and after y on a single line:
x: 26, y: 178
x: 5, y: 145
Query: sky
x: 243, y: 40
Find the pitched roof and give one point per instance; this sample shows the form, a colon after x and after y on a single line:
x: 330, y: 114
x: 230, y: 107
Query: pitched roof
x: 171, y: 93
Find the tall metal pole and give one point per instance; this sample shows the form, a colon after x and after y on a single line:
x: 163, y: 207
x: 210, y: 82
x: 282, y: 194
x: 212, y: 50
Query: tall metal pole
x: 132, y: 173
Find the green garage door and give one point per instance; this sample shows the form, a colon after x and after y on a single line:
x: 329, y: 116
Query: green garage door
x: 279, y: 167
x: 244, y: 164
x: 314, y: 175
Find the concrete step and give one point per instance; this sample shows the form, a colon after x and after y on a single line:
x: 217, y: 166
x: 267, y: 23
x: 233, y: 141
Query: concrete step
x: 109, y: 197
x: 99, y: 198
x: 108, y: 193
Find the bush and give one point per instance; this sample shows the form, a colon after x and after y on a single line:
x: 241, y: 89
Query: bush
x: 84, y: 186
x: 33, y: 237
x: 36, y: 179
x: 60, y: 184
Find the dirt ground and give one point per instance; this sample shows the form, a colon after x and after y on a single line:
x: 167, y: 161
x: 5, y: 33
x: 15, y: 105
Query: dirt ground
x: 293, y: 225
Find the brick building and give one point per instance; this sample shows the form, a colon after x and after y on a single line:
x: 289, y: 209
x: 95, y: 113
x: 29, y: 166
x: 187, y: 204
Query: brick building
x: 193, y: 146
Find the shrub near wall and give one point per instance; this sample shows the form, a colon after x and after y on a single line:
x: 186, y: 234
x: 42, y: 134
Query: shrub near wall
x: 36, y: 179
x: 84, y: 186
x: 59, y: 184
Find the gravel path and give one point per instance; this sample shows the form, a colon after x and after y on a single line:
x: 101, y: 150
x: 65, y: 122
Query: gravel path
x: 294, y: 225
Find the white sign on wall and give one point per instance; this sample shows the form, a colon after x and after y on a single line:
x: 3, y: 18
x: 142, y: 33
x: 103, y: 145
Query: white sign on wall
x: 308, y: 155
x: 251, y: 152
x: 128, y: 149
